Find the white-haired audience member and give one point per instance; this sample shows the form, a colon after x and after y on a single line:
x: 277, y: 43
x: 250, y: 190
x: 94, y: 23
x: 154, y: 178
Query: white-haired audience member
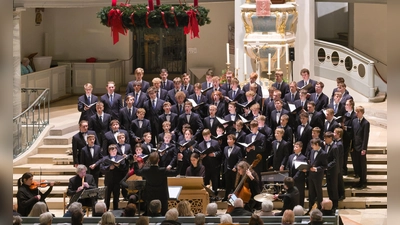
x: 199, y: 219
x: 316, y: 217
x: 266, y: 208
x: 99, y: 209
x: 298, y: 210
x: 288, y: 217
x: 171, y: 217
x: 46, y: 218
x: 212, y: 209
x: 226, y: 219
x: 75, y: 206
x: 239, y: 209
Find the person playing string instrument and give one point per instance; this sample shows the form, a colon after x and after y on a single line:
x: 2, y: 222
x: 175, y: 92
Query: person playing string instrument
x: 28, y: 195
x: 82, y: 181
x: 252, y: 183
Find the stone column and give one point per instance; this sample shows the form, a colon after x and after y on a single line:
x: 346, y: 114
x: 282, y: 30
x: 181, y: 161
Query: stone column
x: 16, y: 76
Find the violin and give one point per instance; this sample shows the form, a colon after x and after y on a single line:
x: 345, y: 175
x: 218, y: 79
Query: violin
x: 41, y: 184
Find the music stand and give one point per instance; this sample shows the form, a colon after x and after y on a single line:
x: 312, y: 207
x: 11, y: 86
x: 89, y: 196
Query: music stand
x: 138, y: 185
x: 88, y: 193
x: 274, y: 177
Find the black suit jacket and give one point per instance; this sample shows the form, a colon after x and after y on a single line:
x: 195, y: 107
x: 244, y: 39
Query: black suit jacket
x: 171, y: 96
x: 227, y: 87
x: 280, y: 154
x: 360, y: 134
x: 320, y: 162
x: 189, y: 89
x: 168, y: 86
x: 202, y: 110
x: 87, y: 159
x: 273, y: 123
x: 305, y: 137
x: 128, y: 149
x: 332, y: 126
x: 317, y: 120
x: 129, y: 87
x: 162, y: 94
x: 234, y: 158
x: 125, y: 119
x: 333, y: 166
x: 288, y: 98
x: 209, y: 93
x: 297, y: 175
x: 175, y: 109
x: 152, y: 113
x: 137, y: 131
x: 166, y: 156
x: 141, y: 98
x: 145, y: 147
x: 76, y: 181
x: 114, y: 107
x: 195, y: 124
x: 341, y: 110
x: 110, y: 139
x: 78, y: 142
x: 284, y: 88
x: 211, y: 163
x: 246, y: 88
x: 320, y: 103
x: 221, y: 109
x: 85, y: 115
x: 260, y: 148
x: 173, y: 119
x: 213, y: 128
x: 113, y: 176
x: 240, y: 96
x: 310, y: 81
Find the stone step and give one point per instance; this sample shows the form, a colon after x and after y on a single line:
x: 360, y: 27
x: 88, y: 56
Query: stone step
x: 48, y: 169
x: 371, y: 168
x: 54, y: 149
x: 59, y: 140
x: 64, y: 129
x: 371, y: 179
x: 377, y: 121
x: 370, y: 190
x: 62, y: 179
x: 373, y: 159
x: 377, y: 149
x: 50, y: 159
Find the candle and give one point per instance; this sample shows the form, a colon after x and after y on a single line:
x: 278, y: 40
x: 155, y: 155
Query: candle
x: 151, y: 6
x: 158, y: 2
x: 269, y: 63
x: 287, y: 53
x: 278, y: 58
x: 196, y: 2
x: 227, y: 52
x: 237, y: 58
x: 244, y: 64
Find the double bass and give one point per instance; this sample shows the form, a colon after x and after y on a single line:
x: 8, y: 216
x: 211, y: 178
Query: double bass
x: 243, y: 188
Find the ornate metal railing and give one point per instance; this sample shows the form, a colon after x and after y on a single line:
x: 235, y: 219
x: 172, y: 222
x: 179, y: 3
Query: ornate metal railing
x: 29, y: 124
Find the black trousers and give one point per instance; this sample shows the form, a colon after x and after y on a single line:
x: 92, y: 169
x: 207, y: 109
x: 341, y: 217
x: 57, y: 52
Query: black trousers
x: 115, y: 190
x: 230, y: 178
x: 315, y: 191
x: 360, y: 166
x: 212, y: 174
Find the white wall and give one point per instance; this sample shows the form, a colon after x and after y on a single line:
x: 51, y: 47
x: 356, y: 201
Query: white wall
x: 211, y: 46
x: 331, y: 18
x: 32, y: 35
x: 370, y: 29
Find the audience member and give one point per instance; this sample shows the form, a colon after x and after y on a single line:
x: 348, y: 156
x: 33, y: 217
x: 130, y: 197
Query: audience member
x: 239, y: 208
x: 298, y: 210
x: 171, y: 217
x: 107, y: 218
x: 266, y: 208
x: 316, y: 217
x: 155, y: 208
x: 46, y: 218
x: 77, y: 217
x: 255, y: 220
x: 99, y: 209
x: 129, y: 211
x: 184, y: 209
x: 75, y: 206
x: 37, y: 209
x: 327, y: 209
x: 143, y: 220
x: 25, y: 67
x: 212, y: 209
x: 17, y: 220
x: 226, y: 219
x: 200, y: 219
x: 288, y: 217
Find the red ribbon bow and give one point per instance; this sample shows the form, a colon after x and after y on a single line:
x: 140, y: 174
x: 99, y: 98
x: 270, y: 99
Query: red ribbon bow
x: 193, y: 26
x: 115, y: 22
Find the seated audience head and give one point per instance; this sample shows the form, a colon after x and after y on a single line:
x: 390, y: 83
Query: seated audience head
x: 255, y: 220
x: 107, y: 218
x: 172, y: 214
x: 212, y: 209
x: 326, y: 204
x: 76, y: 218
x: 184, y: 208
x: 155, y: 207
x: 267, y: 206
x: 142, y: 220
x: 238, y: 203
x: 298, y: 210
x: 100, y: 208
x: 316, y: 215
x: 226, y: 219
x: 130, y: 210
x: 37, y: 209
x: 17, y: 220
x: 199, y: 219
x: 75, y: 206
x: 46, y: 218
x: 288, y: 217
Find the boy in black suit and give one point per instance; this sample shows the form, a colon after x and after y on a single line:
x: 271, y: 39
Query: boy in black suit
x: 111, y: 137
x: 112, y: 101
x: 231, y: 157
x: 91, y: 157
x: 333, y: 168
x: 304, y: 130
x: 280, y: 151
x: 168, y: 116
x: 100, y: 123
x: 88, y: 98
x: 298, y: 176
x: 139, y: 126
x: 128, y: 113
x: 124, y: 149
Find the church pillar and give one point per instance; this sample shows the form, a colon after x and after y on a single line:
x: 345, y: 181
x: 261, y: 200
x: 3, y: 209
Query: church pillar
x: 17, y: 63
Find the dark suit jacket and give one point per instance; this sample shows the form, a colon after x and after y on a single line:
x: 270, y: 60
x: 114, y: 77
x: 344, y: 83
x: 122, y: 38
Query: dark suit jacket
x: 341, y: 110
x: 305, y: 137
x: 125, y: 119
x: 298, y: 176
x: 317, y: 120
x: 100, y: 127
x: 175, y: 109
x: 168, y: 86
x: 78, y: 142
x: 211, y: 163
x: 76, y: 181
x: 333, y: 166
x: 280, y: 154
x: 195, y: 124
x: 139, y: 101
x: 260, y: 148
x: 360, y: 134
x: 115, y: 175
x: 204, y: 85
x: 239, y: 211
x: 239, y: 96
x: 288, y: 98
x: 246, y: 88
x: 87, y: 159
x: 110, y: 139
x: 227, y: 87
x: 213, y: 128
x: 162, y: 94
x: 290, y: 200
x: 320, y: 162
x: 288, y: 136
x: 171, y: 96
x: 145, y: 147
x: 173, y: 120
x: 85, y: 115
x: 221, y: 109
x: 272, y: 119
x: 189, y: 89
x: 128, y: 149
x: 202, y: 110
x: 137, y: 131
x: 167, y: 156
x: 231, y: 161
x: 129, y: 87
x: 310, y: 81
x: 320, y: 103
x: 209, y: 93
x: 284, y: 88
x: 114, y: 108
x: 153, y: 113
x: 332, y: 126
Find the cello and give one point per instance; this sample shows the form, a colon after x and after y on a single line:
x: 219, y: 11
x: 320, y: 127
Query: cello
x: 243, y: 188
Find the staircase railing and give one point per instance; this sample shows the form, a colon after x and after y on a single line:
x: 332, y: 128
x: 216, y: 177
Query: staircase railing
x: 333, y: 60
x: 29, y: 124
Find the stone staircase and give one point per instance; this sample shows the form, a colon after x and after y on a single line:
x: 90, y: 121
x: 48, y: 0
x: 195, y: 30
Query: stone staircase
x: 54, y: 164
